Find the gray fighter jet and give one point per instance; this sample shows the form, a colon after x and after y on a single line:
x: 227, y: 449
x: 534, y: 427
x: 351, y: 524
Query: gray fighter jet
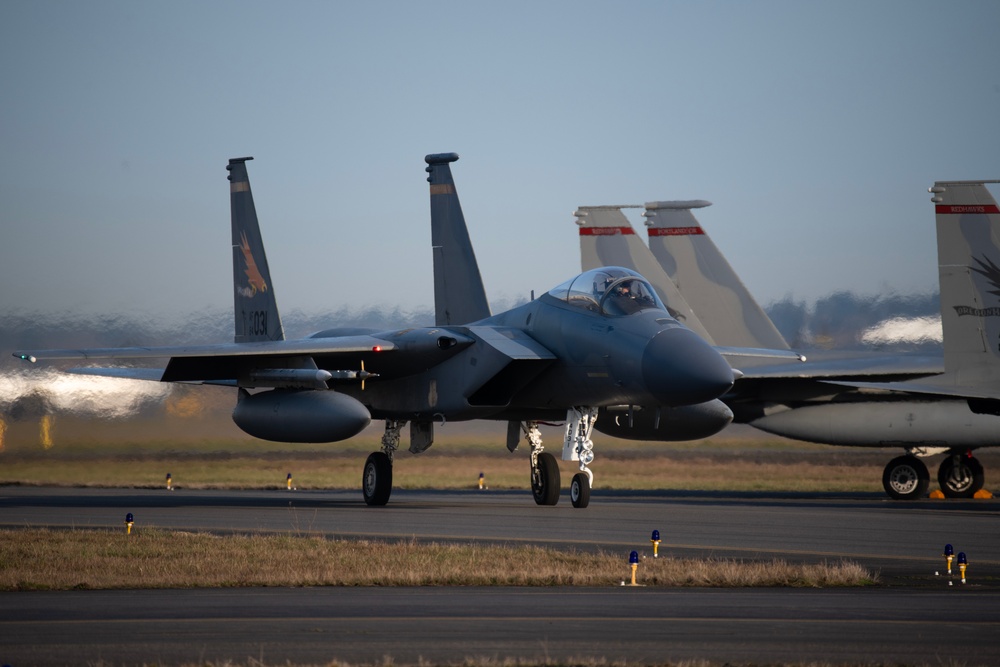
x: 599, y: 340
x: 856, y: 398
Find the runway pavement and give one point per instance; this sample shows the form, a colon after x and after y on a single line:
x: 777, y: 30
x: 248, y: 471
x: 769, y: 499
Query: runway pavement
x: 914, y: 618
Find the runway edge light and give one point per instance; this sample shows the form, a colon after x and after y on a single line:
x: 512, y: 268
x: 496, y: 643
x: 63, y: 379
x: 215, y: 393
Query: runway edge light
x: 129, y: 520
x: 288, y: 482
x: 962, y: 564
x: 949, y: 554
x: 655, y: 539
x: 170, y: 482
x: 633, y: 560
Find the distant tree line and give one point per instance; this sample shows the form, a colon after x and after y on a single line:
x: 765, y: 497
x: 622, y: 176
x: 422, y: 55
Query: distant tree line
x: 838, y: 321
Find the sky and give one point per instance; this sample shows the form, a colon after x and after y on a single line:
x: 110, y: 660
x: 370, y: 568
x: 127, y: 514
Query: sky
x: 815, y: 129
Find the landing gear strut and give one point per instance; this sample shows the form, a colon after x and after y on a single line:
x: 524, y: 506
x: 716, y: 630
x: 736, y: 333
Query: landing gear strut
x: 376, y: 482
x: 544, y: 469
x: 577, y: 446
x: 960, y: 475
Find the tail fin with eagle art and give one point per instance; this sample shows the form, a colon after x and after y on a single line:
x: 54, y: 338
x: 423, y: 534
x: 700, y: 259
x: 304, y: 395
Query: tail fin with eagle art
x: 256, y: 311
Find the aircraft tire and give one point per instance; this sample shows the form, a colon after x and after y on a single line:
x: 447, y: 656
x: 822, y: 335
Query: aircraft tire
x: 545, y: 488
x: 579, y: 490
x: 963, y: 479
x: 906, y: 478
x: 376, y: 482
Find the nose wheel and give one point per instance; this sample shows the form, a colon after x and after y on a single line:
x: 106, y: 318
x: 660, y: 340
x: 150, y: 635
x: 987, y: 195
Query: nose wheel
x: 579, y: 490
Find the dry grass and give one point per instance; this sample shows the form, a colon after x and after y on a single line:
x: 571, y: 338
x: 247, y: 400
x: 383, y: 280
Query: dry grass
x: 723, y: 465
x: 422, y: 472
x: 754, y: 462
x: 151, y: 558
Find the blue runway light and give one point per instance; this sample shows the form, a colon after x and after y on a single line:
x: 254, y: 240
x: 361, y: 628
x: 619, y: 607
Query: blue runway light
x: 655, y: 539
x: 129, y: 520
x: 633, y: 559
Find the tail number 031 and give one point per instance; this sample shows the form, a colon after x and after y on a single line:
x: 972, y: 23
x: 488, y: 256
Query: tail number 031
x: 254, y: 322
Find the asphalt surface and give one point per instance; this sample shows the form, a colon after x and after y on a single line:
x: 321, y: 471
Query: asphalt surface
x: 914, y: 617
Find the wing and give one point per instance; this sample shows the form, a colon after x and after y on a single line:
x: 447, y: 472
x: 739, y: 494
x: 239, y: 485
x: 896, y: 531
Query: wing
x: 932, y: 388
x: 264, y: 364
x: 849, y: 365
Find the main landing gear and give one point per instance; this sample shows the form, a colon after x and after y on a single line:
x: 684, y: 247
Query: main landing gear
x: 960, y: 476
x: 545, y: 478
x: 376, y: 482
x: 577, y: 446
x: 905, y: 478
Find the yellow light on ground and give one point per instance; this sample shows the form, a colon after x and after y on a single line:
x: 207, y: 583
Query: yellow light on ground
x: 45, y: 431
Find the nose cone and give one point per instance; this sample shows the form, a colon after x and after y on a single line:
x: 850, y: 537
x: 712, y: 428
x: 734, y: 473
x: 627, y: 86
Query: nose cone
x: 679, y: 368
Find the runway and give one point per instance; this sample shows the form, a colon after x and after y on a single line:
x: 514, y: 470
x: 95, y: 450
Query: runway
x: 913, y: 618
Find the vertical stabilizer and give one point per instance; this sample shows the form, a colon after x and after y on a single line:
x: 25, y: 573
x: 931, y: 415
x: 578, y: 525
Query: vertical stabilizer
x: 459, y: 296
x: 256, y: 311
x: 607, y: 239
x: 706, y: 279
x: 968, y: 237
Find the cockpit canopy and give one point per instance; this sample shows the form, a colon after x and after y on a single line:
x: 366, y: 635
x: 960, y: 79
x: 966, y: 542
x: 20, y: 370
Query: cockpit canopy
x: 610, y: 290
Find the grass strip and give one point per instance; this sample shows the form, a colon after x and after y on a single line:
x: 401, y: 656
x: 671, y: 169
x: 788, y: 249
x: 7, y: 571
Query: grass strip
x: 41, y: 559
x: 435, y: 472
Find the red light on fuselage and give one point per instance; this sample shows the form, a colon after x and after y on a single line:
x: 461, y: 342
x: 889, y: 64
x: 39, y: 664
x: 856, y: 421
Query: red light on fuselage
x: 377, y: 348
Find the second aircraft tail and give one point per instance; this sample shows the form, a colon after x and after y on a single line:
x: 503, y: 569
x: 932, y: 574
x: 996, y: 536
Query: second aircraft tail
x: 607, y: 239
x: 968, y: 233
x: 706, y: 279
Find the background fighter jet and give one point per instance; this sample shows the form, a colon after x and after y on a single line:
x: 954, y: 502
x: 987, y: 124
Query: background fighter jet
x: 852, y: 398
x: 600, y: 339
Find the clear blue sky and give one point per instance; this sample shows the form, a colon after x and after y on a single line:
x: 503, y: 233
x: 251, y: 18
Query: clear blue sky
x: 814, y: 127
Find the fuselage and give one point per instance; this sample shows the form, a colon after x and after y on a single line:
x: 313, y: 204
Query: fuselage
x: 538, y: 359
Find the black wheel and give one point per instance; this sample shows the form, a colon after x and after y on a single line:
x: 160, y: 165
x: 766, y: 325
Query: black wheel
x: 960, y: 476
x: 906, y: 478
x: 579, y: 490
x: 545, y: 483
x: 376, y: 483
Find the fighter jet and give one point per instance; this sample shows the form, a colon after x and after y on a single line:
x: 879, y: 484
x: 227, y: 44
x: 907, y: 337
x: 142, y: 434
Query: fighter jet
x: 600, y: 339
x: 460, y: 298
x: 855, y: 399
